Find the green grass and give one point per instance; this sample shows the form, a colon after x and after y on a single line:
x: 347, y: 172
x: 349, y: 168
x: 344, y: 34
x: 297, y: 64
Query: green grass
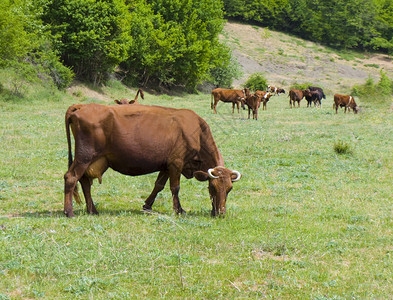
x: 303, y: 223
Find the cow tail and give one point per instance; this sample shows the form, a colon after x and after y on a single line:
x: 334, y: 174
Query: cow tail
x: 211, y: 102
x: 70, y: 160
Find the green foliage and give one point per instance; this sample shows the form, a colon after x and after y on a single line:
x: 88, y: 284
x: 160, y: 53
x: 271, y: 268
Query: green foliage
x: 223, y: 75
x: 15, y: 40
x: 301, y: 86
x: 175, y: 42
x: 371, y: 92
x: 339, y: 23
x: 256, y: 82
x: 90, y: 35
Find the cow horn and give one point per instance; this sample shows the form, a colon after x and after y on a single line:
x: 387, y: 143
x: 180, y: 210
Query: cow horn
x: 211, y: 174
x: 238, y: 175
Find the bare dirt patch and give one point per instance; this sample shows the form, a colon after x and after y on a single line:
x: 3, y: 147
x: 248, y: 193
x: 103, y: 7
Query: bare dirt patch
x: 285, y: 60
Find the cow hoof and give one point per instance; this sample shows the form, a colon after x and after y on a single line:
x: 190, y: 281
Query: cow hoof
x: 181, y: 211
x: 146, y: 209
x: 69, y: 214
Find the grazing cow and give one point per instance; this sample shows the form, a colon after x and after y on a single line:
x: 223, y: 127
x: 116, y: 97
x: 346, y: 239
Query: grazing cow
x: 229, y: 95
x: 315, y: 88
x: 136, y: 140
x: 345, y: 101
x: 275, y: 90
x: 313, y: 96
x: 295, y: 96
x: 253, y: 102
x: 126, y: 101
x: 265, y: 96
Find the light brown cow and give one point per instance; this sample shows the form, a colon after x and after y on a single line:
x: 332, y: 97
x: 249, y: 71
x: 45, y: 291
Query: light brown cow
x: 295, y: 96
x: 229, y: 95
x: 253, y: 102
x: 265, y: 97
x: 345, y: 101
x: 126, y: 101
x: 139, y: 139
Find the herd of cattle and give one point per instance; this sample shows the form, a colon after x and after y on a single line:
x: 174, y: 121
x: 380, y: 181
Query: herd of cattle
x: 253, y: 101
x: 135, y: 139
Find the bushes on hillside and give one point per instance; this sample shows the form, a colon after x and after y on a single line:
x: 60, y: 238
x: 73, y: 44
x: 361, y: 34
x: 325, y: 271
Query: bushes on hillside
x: 256, y: 82
x: 375, y: 92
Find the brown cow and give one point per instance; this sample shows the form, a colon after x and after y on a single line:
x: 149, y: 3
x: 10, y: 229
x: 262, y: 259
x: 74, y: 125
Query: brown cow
x: 313, y: 96
x: 253, y: 102
x: 229, y: 95
x: 136, y: 140
x: 275, y: 90
x: 345, y: 101
x: 265, y: 96
x: 295, y: 96
x: 126, y: 101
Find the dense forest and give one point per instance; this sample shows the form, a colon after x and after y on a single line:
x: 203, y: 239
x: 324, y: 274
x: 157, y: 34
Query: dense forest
x: 168, y: 42
x: 360, y: 24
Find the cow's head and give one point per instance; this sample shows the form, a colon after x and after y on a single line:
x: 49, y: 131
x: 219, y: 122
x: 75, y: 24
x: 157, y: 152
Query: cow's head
x: 267, y: 96
x: 125, y: 101
x: 246, y: 92
x: 352, y: 104
x: 220, y: 184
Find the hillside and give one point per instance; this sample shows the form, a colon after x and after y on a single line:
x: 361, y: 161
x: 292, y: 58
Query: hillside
x: 285, y: 59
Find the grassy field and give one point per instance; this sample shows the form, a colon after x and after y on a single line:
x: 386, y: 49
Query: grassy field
x: 304, y: 222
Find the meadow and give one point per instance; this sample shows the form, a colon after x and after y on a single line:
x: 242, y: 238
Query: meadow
x: 305, y: 221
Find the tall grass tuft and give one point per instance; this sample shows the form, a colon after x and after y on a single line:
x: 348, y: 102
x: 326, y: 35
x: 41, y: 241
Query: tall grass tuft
x: 341, y: 147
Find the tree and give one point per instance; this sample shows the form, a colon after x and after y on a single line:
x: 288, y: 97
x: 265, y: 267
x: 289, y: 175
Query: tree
x: 175, y: 42
x: 15, y: 41
x: 90, y: 35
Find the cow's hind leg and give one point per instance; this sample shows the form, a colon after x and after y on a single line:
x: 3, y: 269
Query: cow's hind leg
x: 86, y: 183
x: 158, y: 187
x: 71, y: 178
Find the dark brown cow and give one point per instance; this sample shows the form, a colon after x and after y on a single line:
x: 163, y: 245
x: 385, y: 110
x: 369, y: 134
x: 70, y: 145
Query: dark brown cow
x: 345, y: 101
x: 253, y: 102
x: 228, y: 95
x: 126, y: 101
x: 265, y: 97
x: 275, y: 90
x: 316, y: 88
x: 313, y: 96
x: 136, y: 140
x: 295, y: 96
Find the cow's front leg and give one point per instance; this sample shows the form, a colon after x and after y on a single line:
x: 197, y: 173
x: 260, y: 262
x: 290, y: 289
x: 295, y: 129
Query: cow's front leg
x: 158, y: 187
x: 174, y: 181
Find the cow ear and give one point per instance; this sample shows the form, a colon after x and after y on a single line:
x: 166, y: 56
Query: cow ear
x: 117, y: 101
x: 201, y: 176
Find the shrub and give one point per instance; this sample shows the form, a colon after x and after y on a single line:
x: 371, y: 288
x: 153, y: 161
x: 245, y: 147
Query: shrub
x: 371, y: 92
x: 223, y: 75
x: 256, y: 82
x: 341, y: 147
x: 301, y: 86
